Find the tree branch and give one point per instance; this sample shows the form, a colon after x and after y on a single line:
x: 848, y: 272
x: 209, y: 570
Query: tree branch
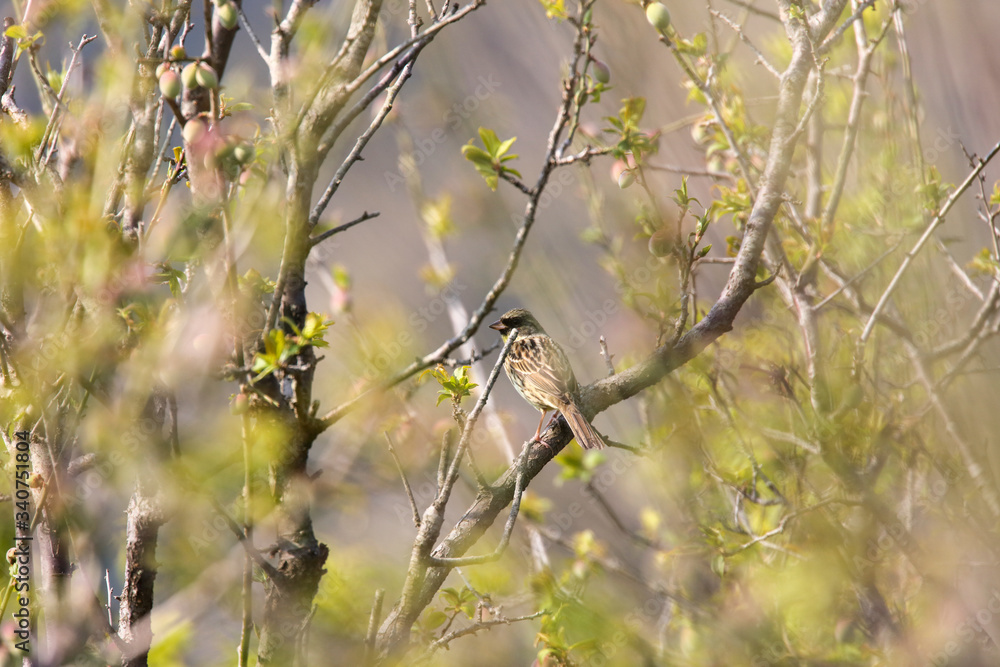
x: 915, y: 250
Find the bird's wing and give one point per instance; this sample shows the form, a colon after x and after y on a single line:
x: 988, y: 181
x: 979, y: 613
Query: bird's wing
x: 543, y: 364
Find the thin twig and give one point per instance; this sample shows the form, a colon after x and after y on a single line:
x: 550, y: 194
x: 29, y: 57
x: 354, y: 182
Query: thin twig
x: 482, y: 625
x: 746, y: 40
x: 373, y: 620
x: 406, y: 483
x: 777, y: 529
x: 687, y: 171
x: 421, y: 40
x: 858, y: 276
x: 607, y: 356
x: 610, y: 512
x: 835, y: 35
x: 319, y: 238
x: 360, y: 144
x: 749, y: 6
x: 110, y: 589
x: 867, y: 51
x: 508, y: 529
x: 259, y: 559
x: 74, y: 61
x: 252, y: 35
x: 908, y: 259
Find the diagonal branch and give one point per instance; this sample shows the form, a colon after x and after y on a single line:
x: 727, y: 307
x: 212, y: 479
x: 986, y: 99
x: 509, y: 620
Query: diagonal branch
x: 915, y: 250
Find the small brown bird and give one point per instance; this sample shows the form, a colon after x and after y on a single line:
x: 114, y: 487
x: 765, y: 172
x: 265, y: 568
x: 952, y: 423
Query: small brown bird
x: 539, y: 370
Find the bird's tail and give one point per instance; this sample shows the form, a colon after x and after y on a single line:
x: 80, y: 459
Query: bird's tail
x: 585, y: 433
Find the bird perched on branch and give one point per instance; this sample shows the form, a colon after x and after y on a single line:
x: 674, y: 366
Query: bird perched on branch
x: 540, y: 371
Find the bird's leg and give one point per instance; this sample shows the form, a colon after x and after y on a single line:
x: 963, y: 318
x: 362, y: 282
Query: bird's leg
x: 538, y: 431
x: 555, y: 415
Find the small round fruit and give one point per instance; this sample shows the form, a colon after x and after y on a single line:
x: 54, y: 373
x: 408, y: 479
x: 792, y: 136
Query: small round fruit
x: 660, y: 243
x: 11, y: 555
x: 170, y: 84
x: 244, y: 153
x: 626, y: 178
x: 189, y: 75
x: 206, y: 76
x: 658, y: 16
x: 178, y: 52
x: 194, y: 130
x: 161, y: 68
x: 617, y: 167
x: 227, y: 15
x: 602, y: 74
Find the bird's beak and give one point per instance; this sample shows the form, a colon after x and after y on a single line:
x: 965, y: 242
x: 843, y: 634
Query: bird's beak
x: 498, y: 325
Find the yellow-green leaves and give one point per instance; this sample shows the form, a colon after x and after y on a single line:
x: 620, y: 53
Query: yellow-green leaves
x: 459, y: 601
x: 933, y: 191
x: 984, y: 262
x: 555, y: 9
x: 312, y: 330
x: 454, y: 387
x: 632, y: 141
x: 490, y: 162
x: 695, y: 47
x: 279, y: 347
x: 437, y: 216
x: 24, y: 40
x: 578, y: 463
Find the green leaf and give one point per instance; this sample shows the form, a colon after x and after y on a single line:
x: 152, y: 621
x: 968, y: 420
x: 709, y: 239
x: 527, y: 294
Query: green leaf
x: 984, y: 262
x: 454, y: 387
x: 16, y: 32
x: 505, y: 146
x: 490, y: 140
x: 475, y: 154
x: 341, y: 277
x: 435, y: 619
x: 489, y: 162
x: 437, y: 216
x: 995, y: 197
x: 555, y: 9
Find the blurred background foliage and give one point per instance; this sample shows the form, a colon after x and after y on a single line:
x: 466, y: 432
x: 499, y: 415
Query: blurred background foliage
x: 771, y: 517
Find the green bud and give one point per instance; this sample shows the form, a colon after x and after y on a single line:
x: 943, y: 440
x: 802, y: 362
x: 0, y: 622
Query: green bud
x: 602, y: 74
x: 658, y: 16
